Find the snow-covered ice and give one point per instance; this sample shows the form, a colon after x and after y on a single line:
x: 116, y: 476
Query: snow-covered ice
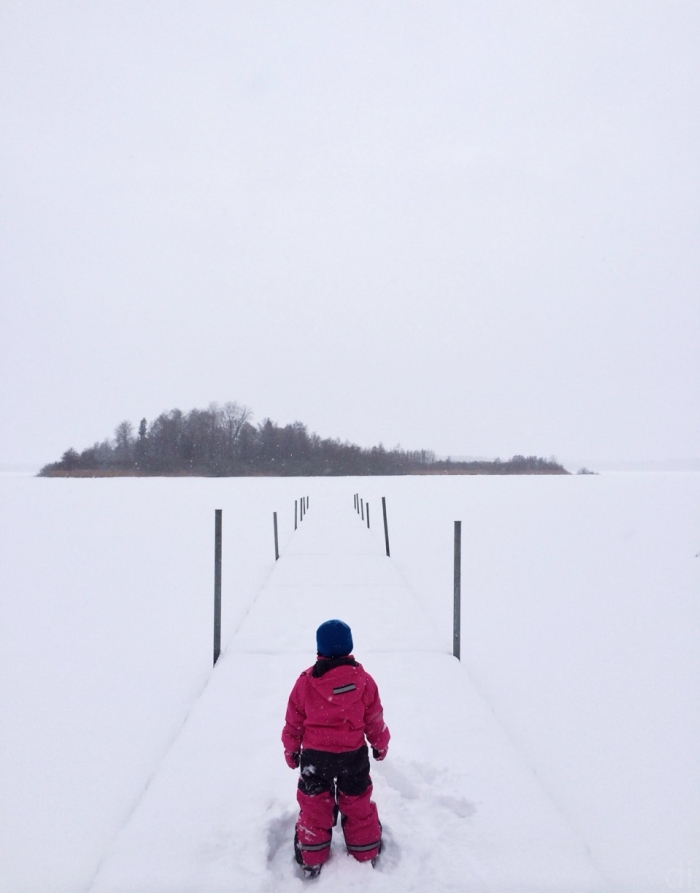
x: 560, y: 755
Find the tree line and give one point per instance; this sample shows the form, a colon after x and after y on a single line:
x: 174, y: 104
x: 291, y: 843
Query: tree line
x: 222, y: 441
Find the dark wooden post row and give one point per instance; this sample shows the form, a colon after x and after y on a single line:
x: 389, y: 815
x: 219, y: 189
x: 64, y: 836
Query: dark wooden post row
x: 457, y: 621
x: 217, y: 584
x: 277, y: 547
x: 295, y: 514
x: 362, y: 509
x: 367, y: 507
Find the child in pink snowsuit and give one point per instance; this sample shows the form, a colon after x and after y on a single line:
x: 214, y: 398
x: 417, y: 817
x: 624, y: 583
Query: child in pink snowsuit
x: 333, y: 707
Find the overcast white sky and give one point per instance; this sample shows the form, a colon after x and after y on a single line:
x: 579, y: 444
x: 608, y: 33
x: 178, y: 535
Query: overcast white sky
x: 470, y: 227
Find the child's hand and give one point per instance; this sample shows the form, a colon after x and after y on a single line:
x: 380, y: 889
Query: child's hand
x: 292, y: 759
x: 379, y: 754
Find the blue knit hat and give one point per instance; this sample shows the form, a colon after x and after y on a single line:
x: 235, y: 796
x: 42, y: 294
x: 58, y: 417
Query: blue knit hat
x: 333, y: 639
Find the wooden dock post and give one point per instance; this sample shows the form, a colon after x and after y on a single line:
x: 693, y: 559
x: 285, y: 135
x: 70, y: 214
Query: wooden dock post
x: 457, y: 619
x: 386, y: 528
x: 217, y: 584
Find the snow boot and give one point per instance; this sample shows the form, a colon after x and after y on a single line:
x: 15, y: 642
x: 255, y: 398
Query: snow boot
x: 379, y: 850
x: 311, y: 871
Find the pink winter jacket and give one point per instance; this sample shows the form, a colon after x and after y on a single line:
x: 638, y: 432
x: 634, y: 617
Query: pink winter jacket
x: 334, y: 709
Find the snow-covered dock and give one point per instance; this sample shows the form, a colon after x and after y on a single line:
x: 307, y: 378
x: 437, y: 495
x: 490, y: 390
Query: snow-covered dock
x: 461, y: 809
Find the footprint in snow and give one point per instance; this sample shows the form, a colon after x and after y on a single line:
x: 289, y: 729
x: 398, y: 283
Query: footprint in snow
x: 280, y: 834
x: 427, y: 778
x: 399, y: 781
x: 458, y: 805
x: 427, y: 772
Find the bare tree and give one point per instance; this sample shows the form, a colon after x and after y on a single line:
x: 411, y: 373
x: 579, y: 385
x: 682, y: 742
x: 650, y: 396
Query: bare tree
x: 234, y: 418
x: 124, y: 446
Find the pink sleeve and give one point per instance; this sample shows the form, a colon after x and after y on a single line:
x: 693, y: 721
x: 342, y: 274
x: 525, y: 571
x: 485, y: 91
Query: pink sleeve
x: 376, y: 729
x: 293, y: 730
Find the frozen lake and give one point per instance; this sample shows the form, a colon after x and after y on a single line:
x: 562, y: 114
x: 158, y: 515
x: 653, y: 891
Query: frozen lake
x: 581, y: 623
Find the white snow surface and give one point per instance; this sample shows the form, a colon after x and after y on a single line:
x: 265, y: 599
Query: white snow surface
x: 561, y: 754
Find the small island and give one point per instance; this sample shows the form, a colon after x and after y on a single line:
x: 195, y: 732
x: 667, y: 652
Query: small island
x: 221, y: 441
